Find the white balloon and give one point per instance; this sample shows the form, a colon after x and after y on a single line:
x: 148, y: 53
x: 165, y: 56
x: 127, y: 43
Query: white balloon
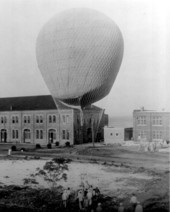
x: 79, y: 53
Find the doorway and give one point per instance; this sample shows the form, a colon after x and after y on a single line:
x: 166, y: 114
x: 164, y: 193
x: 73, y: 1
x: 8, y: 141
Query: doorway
x: 51, y: 136
x: 27, y: 136
x: 89, y: 135
x: 3, y: 135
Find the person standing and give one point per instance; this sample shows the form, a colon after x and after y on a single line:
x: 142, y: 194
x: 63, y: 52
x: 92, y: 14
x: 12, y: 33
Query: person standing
x: 68, y: 192
x: 85, y: 203
x: 139, y: 207
x: 133, y: 201
x: 121, y: 207
x: 9, y: 152
x: 99, y: 207
x: 90, y: 195
x: 80, y: 198
x: 64, y: 198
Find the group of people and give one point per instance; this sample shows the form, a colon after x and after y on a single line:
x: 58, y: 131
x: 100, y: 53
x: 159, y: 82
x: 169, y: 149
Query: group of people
x: 88, y: 198
x: 151, y: 146
x: 135, y: 205
x: 147, y: 146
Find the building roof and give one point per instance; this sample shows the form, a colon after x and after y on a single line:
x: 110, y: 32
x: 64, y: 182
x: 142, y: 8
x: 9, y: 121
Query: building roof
x: 150, y: 111
x: 44, y: 102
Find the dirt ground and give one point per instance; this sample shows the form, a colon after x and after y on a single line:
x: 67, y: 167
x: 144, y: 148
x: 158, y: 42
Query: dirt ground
x: 153, y: 193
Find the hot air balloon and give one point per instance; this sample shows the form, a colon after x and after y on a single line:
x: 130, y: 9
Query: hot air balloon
x: 79, y: 53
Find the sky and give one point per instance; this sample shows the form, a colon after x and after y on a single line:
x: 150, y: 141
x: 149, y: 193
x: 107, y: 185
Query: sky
x: 144, y: 76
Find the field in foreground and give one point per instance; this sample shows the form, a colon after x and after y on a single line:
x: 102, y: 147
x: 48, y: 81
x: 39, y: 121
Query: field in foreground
x: 152, y: 191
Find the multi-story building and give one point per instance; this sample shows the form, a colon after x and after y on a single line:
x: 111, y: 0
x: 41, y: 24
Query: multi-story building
x: 37, y: 119
x: 151, y: 125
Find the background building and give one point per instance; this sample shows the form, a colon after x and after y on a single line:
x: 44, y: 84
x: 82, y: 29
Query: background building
x: 151, y: 125
x: 117, y: 134
x: 36, y: 119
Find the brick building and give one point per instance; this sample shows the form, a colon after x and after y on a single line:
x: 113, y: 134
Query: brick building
x: 36, y: 119
x: 151, y: 125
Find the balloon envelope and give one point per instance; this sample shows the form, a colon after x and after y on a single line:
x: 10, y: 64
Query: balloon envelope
x: 79, y: 53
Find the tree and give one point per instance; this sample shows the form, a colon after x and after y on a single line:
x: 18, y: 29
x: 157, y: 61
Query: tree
x: 53, y: 171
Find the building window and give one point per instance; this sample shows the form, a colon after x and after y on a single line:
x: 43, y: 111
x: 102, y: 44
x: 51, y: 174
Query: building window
x: 39, y: 134
x: 64, y: 118
x: 157, y: 134
x: 65, y: 134
x: 157, y: 120
x: 15, y: 134
x: 54, y: 119
x: 3, y: 119
x: 68, y: 135
x: 15, y: 119
x: 141, y: 120
x: 50, y: 119
x: 142, y: 134
x: 39, y: 119
x: 27, y: 119
x: 67, y: 119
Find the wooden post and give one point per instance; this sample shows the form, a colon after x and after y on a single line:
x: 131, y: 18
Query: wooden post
x: 92, y: 131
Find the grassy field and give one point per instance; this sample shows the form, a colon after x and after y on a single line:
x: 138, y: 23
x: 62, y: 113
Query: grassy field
x: 153, y: 193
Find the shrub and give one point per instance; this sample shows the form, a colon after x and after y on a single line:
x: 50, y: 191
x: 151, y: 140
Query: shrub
x: 38, y: 146
x: 13, y: 148
x: 67, y: 144
x: 57, y: 143
x: 49, y: 146
x: 53, y: 171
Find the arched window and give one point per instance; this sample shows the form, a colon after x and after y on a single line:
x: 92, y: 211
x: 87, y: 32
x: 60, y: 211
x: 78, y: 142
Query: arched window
x: 25, y: 119
x: 37, y: 119
x: 13, y: 133
x: 68, y: 135
x: 54, y: 119
x: 17, y: 135
x: 41, y: 134
x: 13, y: 119
x: 37, y: 134
x: 16, y: 118
x: 29, y: 119
x: 5, y: 119
x: 50, y: 119
x: 41, y: 119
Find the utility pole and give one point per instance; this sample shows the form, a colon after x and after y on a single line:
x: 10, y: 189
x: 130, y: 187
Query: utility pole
x: 151, y: 127
x: 92, y: 131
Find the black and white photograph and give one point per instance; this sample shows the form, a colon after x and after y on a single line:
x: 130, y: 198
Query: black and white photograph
x: 84, y: 106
